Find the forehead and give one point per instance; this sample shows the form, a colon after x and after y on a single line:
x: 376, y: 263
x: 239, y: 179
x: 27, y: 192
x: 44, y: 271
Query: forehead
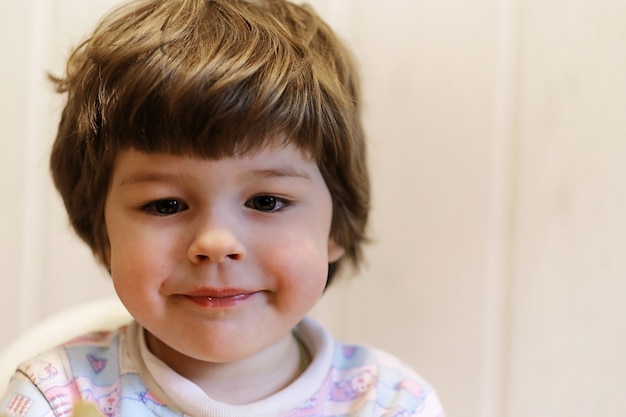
x: 133, y: 166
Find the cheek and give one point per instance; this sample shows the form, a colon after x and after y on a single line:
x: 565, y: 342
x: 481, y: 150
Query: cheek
x: 134, y: 262
x: 133, y: 250
x: 298, y: 254
x: 137, y: 274
x: 298, y: 266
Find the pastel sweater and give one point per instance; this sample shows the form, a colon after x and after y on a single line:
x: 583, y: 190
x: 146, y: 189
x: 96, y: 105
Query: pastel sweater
x: 116, y: 372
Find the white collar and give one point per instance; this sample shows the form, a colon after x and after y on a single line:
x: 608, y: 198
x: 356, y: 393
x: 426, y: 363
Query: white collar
x: 190, y: 398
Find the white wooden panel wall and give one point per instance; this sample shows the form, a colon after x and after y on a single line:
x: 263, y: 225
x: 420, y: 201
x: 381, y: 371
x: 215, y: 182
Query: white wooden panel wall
x: 498, y: 148
x: 568, y: 315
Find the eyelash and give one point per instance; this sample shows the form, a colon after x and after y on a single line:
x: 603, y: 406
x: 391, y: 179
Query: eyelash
x: 171, y: 206
x: 155, y: 207
x: 273, y: 200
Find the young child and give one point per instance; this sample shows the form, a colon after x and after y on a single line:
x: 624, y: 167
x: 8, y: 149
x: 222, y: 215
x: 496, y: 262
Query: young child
x: 211, y: 154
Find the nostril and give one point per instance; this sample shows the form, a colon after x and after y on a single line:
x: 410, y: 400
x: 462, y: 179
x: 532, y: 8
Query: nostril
x: 233, y: 256
x: 215, y: 246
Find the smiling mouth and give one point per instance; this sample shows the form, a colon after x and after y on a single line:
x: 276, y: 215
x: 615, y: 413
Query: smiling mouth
x: 219, y: 298
x: 231, y: 297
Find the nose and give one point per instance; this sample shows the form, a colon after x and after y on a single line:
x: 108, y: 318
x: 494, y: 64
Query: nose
x: 216, y: 241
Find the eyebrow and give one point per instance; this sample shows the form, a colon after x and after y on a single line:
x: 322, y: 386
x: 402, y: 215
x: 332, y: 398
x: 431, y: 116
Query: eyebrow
x: 154, y: 176
x: 288, y: 172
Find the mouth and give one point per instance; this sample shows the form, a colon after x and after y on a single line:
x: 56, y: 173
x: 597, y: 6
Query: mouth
x: 219, y: 297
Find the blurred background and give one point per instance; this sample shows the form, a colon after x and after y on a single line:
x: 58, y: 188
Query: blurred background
x: 497, y: 134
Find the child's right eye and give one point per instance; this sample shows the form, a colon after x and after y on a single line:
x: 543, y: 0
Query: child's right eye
x: 165, y: 207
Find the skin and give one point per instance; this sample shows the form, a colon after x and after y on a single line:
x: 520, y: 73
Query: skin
x: 219, y: 259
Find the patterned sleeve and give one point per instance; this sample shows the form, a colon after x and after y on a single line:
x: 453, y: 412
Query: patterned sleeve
x: 432, y: 406
x: 23, y: 399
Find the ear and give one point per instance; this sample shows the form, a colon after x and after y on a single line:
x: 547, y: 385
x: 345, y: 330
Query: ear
x: 335, y: 251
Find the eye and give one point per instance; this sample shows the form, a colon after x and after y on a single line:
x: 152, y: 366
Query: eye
x: 165, y: 207
x: 267, y: 203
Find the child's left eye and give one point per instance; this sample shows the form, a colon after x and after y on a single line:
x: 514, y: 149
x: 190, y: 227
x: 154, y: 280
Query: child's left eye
x: 267, y: 203
x: 165, y: 207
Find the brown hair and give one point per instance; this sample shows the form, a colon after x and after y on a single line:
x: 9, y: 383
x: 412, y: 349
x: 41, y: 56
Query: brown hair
x: 210, y: 78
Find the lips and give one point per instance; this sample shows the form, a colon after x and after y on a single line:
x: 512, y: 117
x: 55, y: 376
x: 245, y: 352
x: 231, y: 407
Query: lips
x: 219, y: 297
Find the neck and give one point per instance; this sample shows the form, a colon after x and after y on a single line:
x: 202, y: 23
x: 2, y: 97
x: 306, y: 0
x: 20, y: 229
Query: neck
x: 243, y: 381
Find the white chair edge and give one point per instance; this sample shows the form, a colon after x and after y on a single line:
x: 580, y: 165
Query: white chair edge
x: 106, y: 313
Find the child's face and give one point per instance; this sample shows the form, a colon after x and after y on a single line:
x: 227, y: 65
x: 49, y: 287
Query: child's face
x: 219, y: 259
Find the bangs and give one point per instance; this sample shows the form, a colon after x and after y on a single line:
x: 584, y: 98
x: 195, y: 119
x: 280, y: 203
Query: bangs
x: 214, y: 90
